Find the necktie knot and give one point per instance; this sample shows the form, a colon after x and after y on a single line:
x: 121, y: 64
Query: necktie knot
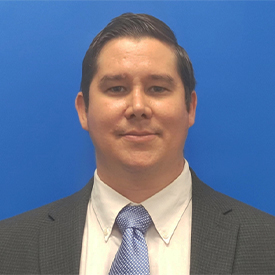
x: 133, y: 217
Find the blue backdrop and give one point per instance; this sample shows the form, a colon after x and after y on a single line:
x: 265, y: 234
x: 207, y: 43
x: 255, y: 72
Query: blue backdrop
x: 44, y: 153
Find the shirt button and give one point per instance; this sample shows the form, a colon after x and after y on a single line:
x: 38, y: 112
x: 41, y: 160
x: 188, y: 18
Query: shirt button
x: 105, y: 231
x: 165, y: 236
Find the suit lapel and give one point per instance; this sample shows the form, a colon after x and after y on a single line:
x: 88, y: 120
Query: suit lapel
x: 61, y: 237
x: 214, y: 234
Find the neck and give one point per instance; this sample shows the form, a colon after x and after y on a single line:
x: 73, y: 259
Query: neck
x: 139, y: 184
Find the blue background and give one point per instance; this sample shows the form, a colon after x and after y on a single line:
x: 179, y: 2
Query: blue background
x: 44, y: 153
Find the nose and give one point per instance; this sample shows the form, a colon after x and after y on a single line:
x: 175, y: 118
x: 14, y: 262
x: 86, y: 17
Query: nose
x: 138, y: 105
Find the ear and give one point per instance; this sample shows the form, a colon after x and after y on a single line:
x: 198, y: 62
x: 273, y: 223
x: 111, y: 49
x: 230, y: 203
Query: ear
x: 192, y: 108
x: 81, y: 110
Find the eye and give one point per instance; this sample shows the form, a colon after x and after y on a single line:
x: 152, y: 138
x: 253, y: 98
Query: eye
x: 157, y: 89
x: 117, y: 89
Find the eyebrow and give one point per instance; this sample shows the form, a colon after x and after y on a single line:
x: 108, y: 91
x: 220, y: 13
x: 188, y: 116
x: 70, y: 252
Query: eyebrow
x: 110, y: 77
x: 163, y: 77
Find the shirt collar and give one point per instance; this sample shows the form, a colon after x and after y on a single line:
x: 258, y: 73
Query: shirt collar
x: 106, y: 204
x: 165, y: 208
x: 168, y: 205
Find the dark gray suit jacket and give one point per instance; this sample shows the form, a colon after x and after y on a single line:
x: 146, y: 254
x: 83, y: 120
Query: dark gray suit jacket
x: 227, y: 236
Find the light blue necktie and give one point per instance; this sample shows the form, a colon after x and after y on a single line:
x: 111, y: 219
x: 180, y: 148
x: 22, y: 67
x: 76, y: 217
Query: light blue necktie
x: 132, y: 255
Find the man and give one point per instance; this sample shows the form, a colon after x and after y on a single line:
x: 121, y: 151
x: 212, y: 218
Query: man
x: 137, y: 102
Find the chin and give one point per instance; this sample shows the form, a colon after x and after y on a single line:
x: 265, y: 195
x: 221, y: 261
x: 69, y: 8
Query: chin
x: 139, y: 164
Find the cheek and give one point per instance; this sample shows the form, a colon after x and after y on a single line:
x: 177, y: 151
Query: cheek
x: 173, y: 114
x: 175, y: 126
x: 104, y: 114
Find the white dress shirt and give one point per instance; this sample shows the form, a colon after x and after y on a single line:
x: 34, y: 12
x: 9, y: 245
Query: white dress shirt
x: 168, y: 238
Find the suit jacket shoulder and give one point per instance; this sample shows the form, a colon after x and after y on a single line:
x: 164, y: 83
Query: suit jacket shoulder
x: 229, y: 236
x: 45, y: 240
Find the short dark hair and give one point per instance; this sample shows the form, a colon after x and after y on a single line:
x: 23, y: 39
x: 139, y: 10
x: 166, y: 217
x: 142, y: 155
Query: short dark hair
x: 136, y: 26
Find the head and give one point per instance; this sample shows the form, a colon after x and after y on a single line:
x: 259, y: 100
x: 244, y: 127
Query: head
x: 137, y: 101
x: 136, y: 26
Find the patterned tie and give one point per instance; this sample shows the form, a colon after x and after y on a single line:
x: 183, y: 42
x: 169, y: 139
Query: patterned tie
x: 132, y: 255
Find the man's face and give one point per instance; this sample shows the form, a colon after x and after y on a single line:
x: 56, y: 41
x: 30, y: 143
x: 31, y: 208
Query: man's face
x: 137, y: 116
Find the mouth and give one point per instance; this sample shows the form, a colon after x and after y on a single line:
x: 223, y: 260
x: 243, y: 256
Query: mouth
x: 139, y: 136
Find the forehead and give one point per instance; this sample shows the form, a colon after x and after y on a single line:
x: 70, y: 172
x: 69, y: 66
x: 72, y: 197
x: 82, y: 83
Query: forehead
x: 132, y: 55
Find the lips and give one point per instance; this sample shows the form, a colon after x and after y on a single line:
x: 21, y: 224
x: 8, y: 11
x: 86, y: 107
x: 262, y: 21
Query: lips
x: 139, y: 133
x: 139, y: 136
